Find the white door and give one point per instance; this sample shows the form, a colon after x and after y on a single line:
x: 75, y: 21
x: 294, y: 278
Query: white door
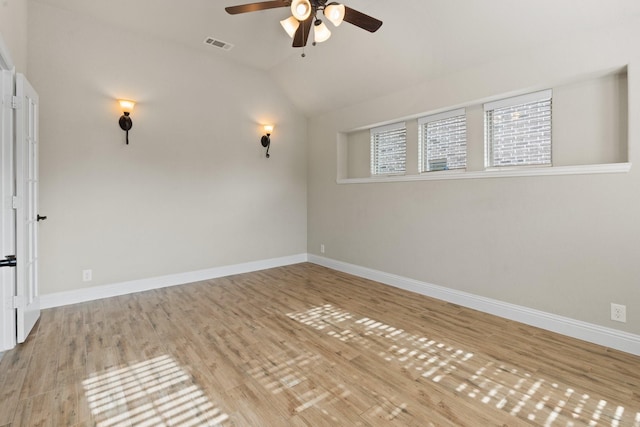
x: 27, y: 295
x: 7, y: 213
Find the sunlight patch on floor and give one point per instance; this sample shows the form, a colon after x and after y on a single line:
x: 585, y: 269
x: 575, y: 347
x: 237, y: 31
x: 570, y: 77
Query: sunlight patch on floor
x: 156, y: 392
x: 521, y: 394
x: 294, y: 374
x: 283, y: 371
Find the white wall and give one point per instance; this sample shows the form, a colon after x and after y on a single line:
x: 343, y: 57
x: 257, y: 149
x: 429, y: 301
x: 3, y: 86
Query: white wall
x: 566, y: 245
x: 192, y: 191
x: 13, y: 27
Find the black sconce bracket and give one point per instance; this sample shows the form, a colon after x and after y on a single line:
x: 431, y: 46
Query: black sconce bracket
x: 126, y: 124
x: 266, y: 142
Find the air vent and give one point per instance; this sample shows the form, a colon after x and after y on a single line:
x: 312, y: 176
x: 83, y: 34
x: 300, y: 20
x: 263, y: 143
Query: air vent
x: 218, y: 43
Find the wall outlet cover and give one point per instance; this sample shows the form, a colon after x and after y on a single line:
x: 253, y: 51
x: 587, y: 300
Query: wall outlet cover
x: 618, y: 312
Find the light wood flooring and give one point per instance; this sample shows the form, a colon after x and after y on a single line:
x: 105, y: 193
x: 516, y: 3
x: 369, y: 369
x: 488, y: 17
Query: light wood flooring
x: 305, y: 346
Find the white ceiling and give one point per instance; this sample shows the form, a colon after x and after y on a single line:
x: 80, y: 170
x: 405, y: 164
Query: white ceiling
x: 419, y: 39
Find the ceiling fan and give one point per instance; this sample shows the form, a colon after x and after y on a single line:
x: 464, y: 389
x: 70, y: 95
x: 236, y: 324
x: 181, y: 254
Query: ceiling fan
x: 304, y: 16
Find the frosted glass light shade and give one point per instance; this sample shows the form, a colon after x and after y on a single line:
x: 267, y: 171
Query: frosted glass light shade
x: 290, y: 25
x: 321, y: 33
x: 268, y: 129
x: 126, y: 105
x: 334, y: 13
x: 301, y: 9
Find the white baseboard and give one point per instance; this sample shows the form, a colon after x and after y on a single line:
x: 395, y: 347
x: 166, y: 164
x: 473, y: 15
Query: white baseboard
x: 59, y: 299
x: 596, y: 334
x: 612, y: 338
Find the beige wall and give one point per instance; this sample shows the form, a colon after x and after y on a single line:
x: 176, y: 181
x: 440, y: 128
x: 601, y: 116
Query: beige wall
x: 13, y: 27
x: 591, y: 125
x: 566, y: 245
x: 192, y: 191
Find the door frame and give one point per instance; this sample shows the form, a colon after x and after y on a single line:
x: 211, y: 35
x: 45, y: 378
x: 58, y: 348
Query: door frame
x: 7, y: 190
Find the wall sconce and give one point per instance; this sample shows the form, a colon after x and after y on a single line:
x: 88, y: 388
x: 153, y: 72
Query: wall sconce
x: 266, y: 139
x: 125, y: 121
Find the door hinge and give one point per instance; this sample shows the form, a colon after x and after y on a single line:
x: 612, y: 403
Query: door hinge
x: 19, y: 302
x: 14, y: 202
x: 15, y: 102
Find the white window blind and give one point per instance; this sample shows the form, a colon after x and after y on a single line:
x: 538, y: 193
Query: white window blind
x: 518, y: 130
x: 443, y: 141
x: 389, y: 149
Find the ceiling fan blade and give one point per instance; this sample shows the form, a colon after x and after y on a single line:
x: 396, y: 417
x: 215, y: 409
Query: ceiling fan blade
x: 254, y: 7
x: 302, y: 33
x: 361, y: 20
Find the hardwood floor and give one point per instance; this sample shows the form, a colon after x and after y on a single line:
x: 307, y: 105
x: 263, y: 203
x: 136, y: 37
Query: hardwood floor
x: 305, y: 346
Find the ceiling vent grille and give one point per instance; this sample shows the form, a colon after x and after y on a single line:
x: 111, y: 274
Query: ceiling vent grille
x: 218, y: 43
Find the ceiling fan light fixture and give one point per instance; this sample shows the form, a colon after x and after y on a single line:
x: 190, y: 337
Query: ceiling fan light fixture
x: 290, y: 25
x: 301, y: 9
x: 334, y: 13
x: 320, y: 32
x: 305, y: 12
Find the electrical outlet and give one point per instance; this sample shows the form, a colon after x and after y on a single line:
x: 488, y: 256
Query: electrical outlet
x: 619, y: 312
x: 322, y: 248
x: 87, y: 275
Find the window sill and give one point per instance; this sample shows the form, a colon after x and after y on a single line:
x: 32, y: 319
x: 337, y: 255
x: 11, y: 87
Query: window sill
x: 494, y: 173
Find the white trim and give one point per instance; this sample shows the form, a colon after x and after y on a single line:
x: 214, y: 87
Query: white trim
x: 59, y: 299
x: 442, y: 116
x: 519, y: 100
x: 388, y: 128
x: 596, y: 334
x: 497, y: 173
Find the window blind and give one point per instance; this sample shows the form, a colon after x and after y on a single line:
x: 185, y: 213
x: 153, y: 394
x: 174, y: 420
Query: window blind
x: 518, y: 131
x: 443, y: 141
x: 389, y: 149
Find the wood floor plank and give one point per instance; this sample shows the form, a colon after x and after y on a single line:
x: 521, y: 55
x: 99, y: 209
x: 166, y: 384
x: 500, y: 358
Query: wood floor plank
x: 20, y: 356
x: 35, y: 411
x: 43, y: 362
x: 64, y: 409
x: 303, y: 345
x: 9, y: 394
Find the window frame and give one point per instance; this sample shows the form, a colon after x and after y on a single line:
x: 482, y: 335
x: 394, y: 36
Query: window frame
x: 423, y: 123
x: 374, y: 166
x: 529, y: 98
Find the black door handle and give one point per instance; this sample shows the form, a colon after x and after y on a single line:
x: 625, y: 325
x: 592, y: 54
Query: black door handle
x: 9, y: 261
x: 40, y: 218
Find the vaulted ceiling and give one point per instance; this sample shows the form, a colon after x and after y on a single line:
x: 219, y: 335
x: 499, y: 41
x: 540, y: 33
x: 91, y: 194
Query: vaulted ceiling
x: 419, y: 40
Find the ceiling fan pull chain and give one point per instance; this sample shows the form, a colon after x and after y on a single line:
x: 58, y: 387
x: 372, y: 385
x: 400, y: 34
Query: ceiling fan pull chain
x: 304, y: 45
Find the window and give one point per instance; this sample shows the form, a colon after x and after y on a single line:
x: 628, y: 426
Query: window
x: 389, y: 149
x: 443, y: 141
x: 518, y: 130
